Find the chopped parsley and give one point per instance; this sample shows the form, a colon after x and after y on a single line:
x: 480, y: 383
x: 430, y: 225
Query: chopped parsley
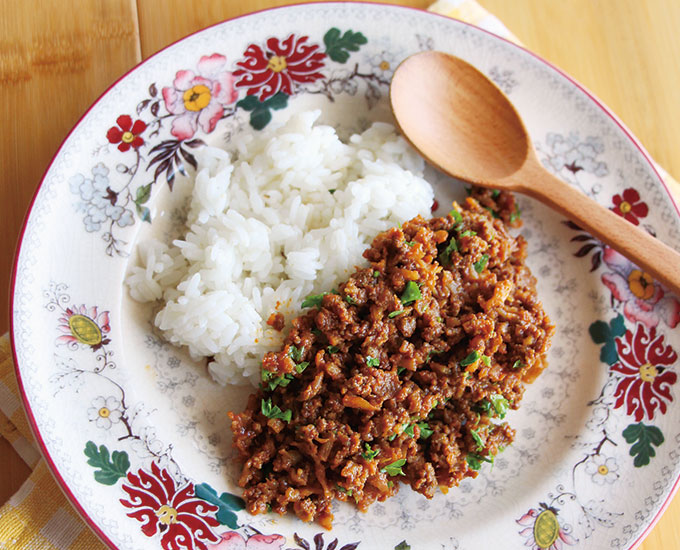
x: 468, y: 233
x: 515, y: 215
x: 425, y: 430
x: 486, y: 360
x: 370, y: 454
x: 410, y: 243
x: 273, y: 411
x: 372, y: 361
x: 343, y: 490
x: 313, y: 300
x: 456, y: 216
x: 395, y: 313
x: 495, y: 193
x: 471, y: 358
x: 481, y: 264
x: 475, y: 461
x: 445, y: 256
x: 478, y: 440
x: 351, y: 301
x: 400, y: 370
x: 394, y: 469
x: 392, y: 437
x: 517, y: 364
x: 300, y: 367
x: 376, y: 274
x: 274, y: 381
x: 500, y: 405
x: 295, y: 353
x: 411, y: 293
x: 431, y: 353
x: 332, y: 349
x: 408, y: 430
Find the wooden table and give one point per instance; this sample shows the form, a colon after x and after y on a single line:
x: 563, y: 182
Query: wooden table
x: 57, y: 57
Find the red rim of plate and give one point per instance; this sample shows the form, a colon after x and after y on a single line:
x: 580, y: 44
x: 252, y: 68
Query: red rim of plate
x: 29, y: 414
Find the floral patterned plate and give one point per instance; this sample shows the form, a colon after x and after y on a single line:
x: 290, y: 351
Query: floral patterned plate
x: 137, y: 434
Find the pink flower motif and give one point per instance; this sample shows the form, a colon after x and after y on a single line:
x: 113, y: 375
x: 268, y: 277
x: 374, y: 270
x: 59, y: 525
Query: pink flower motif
x: 644, y: 300
x: 234, y: 541
x: 200, y: 99
x: 183, y: 520
x: 645, y: 384
x: 628, y: 205
x: 279, y: 67
x: 82, y: 325
x: 542, y: 530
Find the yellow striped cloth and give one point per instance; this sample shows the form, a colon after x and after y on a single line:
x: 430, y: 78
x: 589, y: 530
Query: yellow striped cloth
x: 38, y: 516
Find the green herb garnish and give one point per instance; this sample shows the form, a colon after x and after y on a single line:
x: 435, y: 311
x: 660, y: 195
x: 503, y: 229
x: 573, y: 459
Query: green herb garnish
x: 445, y: 256
x: 316, y: 332
x: 370, y: 454
x: 475, y: 461
x: 372, y: 361
x: 295, y: 353
x: 468, y: 233
x: 376, y: 274
x: 351, y: 301
x: 274, y: 381
x: 400, y: 370
x: 332, y: 349
x: 301, y: 367
x: 273, y: 411
x: 517, y: 364
x: 471, y: 358
x: 515, y: 215
x: 313, y: 300
x: 495, y: 193
x: 394, y: 469
x: 331, y: 191
x: 408, y: 430
x: 481, y: 264
x: 500, y: 405
x: 343, y: 490
x: 411, y: 293
x: 392, y: 437
x: 395, y: 313
x: 478, y: 440
x: 425, y: 430
x: 493, y: 213
x: 410, y: 243
x: 456, y: 216
x: 486, y: 360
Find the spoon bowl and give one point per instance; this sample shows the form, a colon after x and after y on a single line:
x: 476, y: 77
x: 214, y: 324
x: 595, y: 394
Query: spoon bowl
x: 464, y: 125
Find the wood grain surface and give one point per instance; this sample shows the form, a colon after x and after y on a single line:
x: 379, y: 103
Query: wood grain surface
x: 57, y: 57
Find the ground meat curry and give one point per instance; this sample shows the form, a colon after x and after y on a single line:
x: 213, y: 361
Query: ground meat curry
x: 401, y: 375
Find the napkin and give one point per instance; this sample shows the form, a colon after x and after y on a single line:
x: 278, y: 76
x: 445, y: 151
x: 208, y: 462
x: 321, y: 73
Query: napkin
x: 38, y: 516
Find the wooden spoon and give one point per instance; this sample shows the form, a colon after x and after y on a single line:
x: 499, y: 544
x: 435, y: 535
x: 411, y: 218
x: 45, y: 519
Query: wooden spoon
x: 464, y: 125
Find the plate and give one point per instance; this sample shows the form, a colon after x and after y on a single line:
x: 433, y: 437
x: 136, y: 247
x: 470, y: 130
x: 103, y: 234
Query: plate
x: 137, y: 434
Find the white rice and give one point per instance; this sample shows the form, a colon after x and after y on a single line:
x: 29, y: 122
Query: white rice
x: 289, y: 216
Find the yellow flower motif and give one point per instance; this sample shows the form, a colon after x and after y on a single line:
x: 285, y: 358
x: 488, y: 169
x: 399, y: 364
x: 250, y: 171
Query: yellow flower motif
x: 127, y: 137
x: 277, y: 63
x: 104, y: 412
x: 625, y: 207
x: 648, y: 372
x: 641, y: 284
x: 85, y: 330
x: 603, y: 470
x: 166, y: 515
x: 196, y: 98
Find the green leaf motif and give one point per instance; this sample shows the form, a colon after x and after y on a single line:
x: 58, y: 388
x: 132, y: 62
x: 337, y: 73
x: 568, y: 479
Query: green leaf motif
x: 109, y: 468
x: 226, y: 503
x: 605, y: 333
x: 643, y: 439
x: 403, y: 545
x: 260, y: 114
x: 339, y: 45
x: 144, y: 213
x: 143, y: 194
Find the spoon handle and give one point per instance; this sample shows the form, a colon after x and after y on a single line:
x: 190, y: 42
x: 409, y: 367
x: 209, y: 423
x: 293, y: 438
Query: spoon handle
x: 648, y: 253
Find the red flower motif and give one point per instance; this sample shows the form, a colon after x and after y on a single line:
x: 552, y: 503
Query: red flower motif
x: 277, y: 68
x: 629, y: 206
x: 184, y: 520
x: 126, y: 135
x: 645, y: 383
